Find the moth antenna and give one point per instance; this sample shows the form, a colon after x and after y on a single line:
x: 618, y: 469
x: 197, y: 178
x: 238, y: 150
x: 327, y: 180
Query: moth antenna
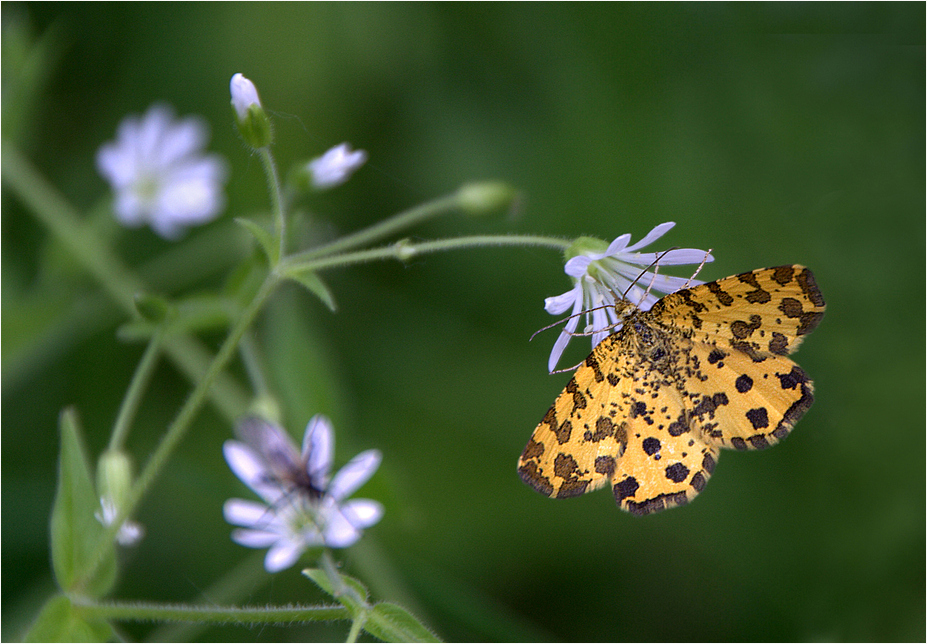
x: 573, y: 368
x: 699, y: 269
x: 570, y: 317
x: 552, y: 325
x: 655, y: 264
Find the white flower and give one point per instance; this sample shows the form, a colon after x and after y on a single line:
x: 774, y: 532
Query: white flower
x: 129, y: 532
x: 159, y: 174
x: 304, y: 507
x: 599, y: 276
x: 335, y: 166
x: 244, y: 95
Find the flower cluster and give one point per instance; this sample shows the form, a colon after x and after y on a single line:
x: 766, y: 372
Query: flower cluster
x: 304, y: 507
x: 601, y: 274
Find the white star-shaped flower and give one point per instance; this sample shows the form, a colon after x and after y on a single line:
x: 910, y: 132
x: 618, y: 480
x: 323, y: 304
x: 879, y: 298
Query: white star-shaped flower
x: 304, y: 507
x: 160, y: 175
x: 599, y: 275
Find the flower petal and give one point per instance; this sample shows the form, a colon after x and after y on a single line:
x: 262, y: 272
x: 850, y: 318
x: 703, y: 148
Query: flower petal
x: 354, y: 474
x: 618, y: 245
x: 244, y: 462
x: 340, y: 532
x: 559, y: 303
x: 336, y: 166
x: 248, y: 466
x: 577, y: 266
x: 318, y: 445
x: 655, y: 234
x: 244, y: 95
x: 362, y: 513
x: 255, y: 538
x: 671, y: 257
x: 246, y: 513
x: 283, y: 554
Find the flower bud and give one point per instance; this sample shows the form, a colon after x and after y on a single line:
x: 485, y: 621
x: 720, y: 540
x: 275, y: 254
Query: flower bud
x: 335, y: 166
x: 114, y: 476
x: 114, y: 480
x: 253, y: 122
x: 484, y: 198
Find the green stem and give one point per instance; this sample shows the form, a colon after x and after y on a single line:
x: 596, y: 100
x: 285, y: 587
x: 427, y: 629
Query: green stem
x: 356, y: 625
x: 133, y: 397
x: 209, y: 614
x: 358, y: 606
x: 328, y: 565
x: 243, y: 580
x: 383, y: 229
x: 56, y: 213
x: 250, y: 357
x: 185, y: 416
x: 404, y: 250
x: 276, y: 196
x: 48, y: 205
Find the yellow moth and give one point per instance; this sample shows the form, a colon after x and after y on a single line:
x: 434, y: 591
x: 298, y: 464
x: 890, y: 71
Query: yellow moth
x: 705, y: 368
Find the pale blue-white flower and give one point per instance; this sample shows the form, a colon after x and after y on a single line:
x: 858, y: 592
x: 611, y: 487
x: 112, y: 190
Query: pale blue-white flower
x: 335, y: 166
x: 159, y: 173
x: 600, y: 274
x: 304, y: 507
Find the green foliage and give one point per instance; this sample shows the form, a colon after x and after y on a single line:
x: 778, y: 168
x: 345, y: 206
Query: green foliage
x: 386, y: 621
x: 60, y: 621
x: 266, y: 241
x: 314, y: 284
x: 76, y: 535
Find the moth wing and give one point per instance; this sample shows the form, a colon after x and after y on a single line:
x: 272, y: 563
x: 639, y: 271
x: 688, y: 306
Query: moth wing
x: 666, y: 462
x: 574, y: 448
x: 743, y: 403
x: 766, y: 311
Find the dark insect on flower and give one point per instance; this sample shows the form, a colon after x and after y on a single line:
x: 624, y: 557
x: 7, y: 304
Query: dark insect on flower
x: 285, y: 467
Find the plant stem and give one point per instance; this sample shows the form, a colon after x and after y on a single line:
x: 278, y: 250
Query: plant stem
x: 185, y: 416
x: 209, y: 614
x: 276, y: 196
x: 133, y: 397
x: 384, y: 228
x: 404, y: 250
x: 250, y: 357
x: 120, y: 284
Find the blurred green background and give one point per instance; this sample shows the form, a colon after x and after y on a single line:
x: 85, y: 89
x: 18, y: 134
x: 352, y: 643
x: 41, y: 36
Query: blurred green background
x: 772, y: 133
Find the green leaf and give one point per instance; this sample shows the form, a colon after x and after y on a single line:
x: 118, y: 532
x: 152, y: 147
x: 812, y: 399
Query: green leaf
x: 190, y: 315
x: 270, y: 247
x: 151, y: 307
x: 244, y: 281
x: 393, y: 623
x: 60, y: 621
x: 316, y: 286
x: 75, y: 532
x: 325, y: 583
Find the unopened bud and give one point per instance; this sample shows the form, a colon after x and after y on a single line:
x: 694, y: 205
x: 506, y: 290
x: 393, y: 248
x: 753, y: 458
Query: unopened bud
x: 253, y: 122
